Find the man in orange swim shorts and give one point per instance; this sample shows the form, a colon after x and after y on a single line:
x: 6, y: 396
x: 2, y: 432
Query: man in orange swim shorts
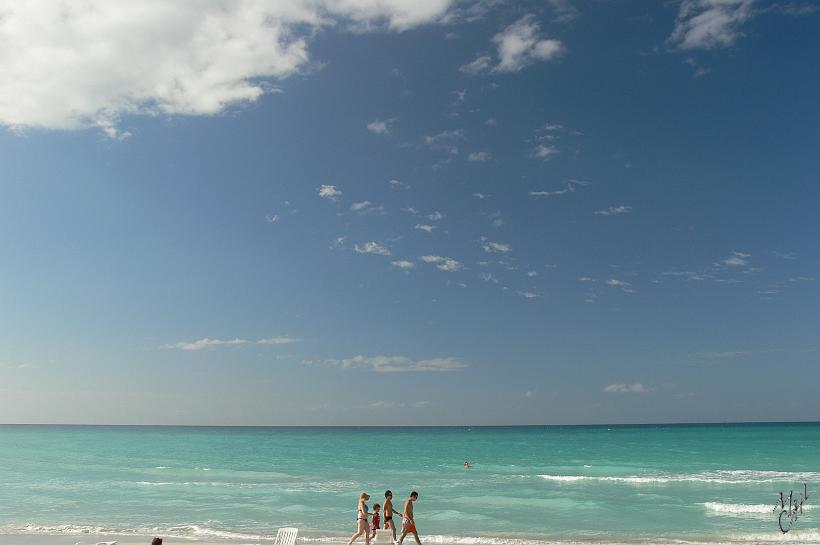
x: 408, y: 523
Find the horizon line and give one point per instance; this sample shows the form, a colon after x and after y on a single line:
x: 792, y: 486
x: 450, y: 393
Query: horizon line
x: 592, y: 425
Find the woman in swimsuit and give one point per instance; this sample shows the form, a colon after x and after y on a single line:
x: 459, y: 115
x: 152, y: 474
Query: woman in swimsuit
x: 361, y: 520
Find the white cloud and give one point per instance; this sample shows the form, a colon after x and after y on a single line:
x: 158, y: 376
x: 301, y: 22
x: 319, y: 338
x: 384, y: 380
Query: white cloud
x: 443, y: 263
x: 371, y: 248
x: 272, y: 218
x: 366, y: 207
x: 436, y: 216
x: 403, y: 264
x: 495, y: 247
x: 425, y: 228
x: 544, y: 152
x: 482, y: 64
x: 400, y: 364
x: 481, y: 196
x: 614, y: 210
x: 479, y: 157
x: 202, y: 344
x: 445, y: 140
x: 395, y: 184
x: 570, y: 188
x: 636, y: 388
x: 380, y: 127
x: 617, y: 283
x: 278, y: 340
x: 528, y: 294
x: 69, y: 65
x: 532, y: 274
x: 329, y: 192
x: 205, y: 343
x: 737, y: 259
x: 564, y: 10
x: 338, y: 243
x: 709, y: 24
x: 518, y: 45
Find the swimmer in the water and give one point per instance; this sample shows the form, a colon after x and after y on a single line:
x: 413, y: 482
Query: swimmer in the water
x: 467, y: 464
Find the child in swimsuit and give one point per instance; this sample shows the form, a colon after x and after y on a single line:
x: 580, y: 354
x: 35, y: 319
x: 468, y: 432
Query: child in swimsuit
x: 376, y: 523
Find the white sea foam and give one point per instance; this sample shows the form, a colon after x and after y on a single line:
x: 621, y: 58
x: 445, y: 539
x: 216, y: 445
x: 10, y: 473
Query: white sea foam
x: 743, y: 510
x: 739, y: 476
x: 195, y: 532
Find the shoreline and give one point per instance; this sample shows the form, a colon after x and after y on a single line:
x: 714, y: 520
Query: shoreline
x: 76, y: 537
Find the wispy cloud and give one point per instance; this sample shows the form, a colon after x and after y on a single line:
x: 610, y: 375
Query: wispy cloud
x: 399, y: 364
x: 737, y: 259
x: 436, y: 216
x: 481, y: 196
x: 445, y: 140
x: 378, y: 126
x: 371, y: 248
x: 636, y: 388
x: 396, y: 184
x: 330, y: 192
x: 272, y: 218
x: 424, y: 227
x: 570, y: 187
x: 564, y: 10
x: 204, y: 343
x: 278, y: 340
x: 545, y: 152
x: 528, y: 294
x: 617, y: 283
x: 614, y: 210
x: 495, y: 247
x: 366, y: 207
x: 518, y: 45
x: 443, y: 263
x: 403, y: 264
x: 479, y: 157
x: 710, y: 24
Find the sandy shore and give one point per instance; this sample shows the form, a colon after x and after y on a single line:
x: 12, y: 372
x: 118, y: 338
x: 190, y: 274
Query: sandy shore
x: 25, y: 539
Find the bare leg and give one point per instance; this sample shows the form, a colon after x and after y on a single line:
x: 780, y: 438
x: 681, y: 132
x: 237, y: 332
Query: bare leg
x: 363, y: 529
x: 416, y: 535
x: 392, y: 525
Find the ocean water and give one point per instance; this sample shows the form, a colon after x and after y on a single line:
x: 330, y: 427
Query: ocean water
x: 616, y: 484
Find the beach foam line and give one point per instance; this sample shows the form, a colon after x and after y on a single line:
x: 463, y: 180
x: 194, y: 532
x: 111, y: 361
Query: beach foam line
x: 195, y: 532
x: 191, y: 531
x: 739, y: 476
x: 740, y: 509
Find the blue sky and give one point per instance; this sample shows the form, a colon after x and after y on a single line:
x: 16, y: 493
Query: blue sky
x: 410, y: 213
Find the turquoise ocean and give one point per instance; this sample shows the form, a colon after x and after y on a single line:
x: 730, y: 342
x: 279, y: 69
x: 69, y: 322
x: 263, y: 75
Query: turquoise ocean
x: 608, y: 484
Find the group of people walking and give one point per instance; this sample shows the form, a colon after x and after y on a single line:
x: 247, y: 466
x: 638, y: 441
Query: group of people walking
x: 368, y: 529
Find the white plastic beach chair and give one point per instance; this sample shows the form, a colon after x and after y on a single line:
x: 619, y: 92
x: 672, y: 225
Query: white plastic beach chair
x: 286, y: 536
x: 384, y: 536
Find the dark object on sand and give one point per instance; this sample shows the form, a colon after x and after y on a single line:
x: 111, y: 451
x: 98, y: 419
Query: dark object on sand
x: 156, y: 541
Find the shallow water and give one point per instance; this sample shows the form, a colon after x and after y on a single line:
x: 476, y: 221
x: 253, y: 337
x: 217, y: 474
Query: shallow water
x: 598, y: 483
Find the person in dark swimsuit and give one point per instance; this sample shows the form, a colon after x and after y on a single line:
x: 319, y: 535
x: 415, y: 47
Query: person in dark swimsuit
x: 389, y: 511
